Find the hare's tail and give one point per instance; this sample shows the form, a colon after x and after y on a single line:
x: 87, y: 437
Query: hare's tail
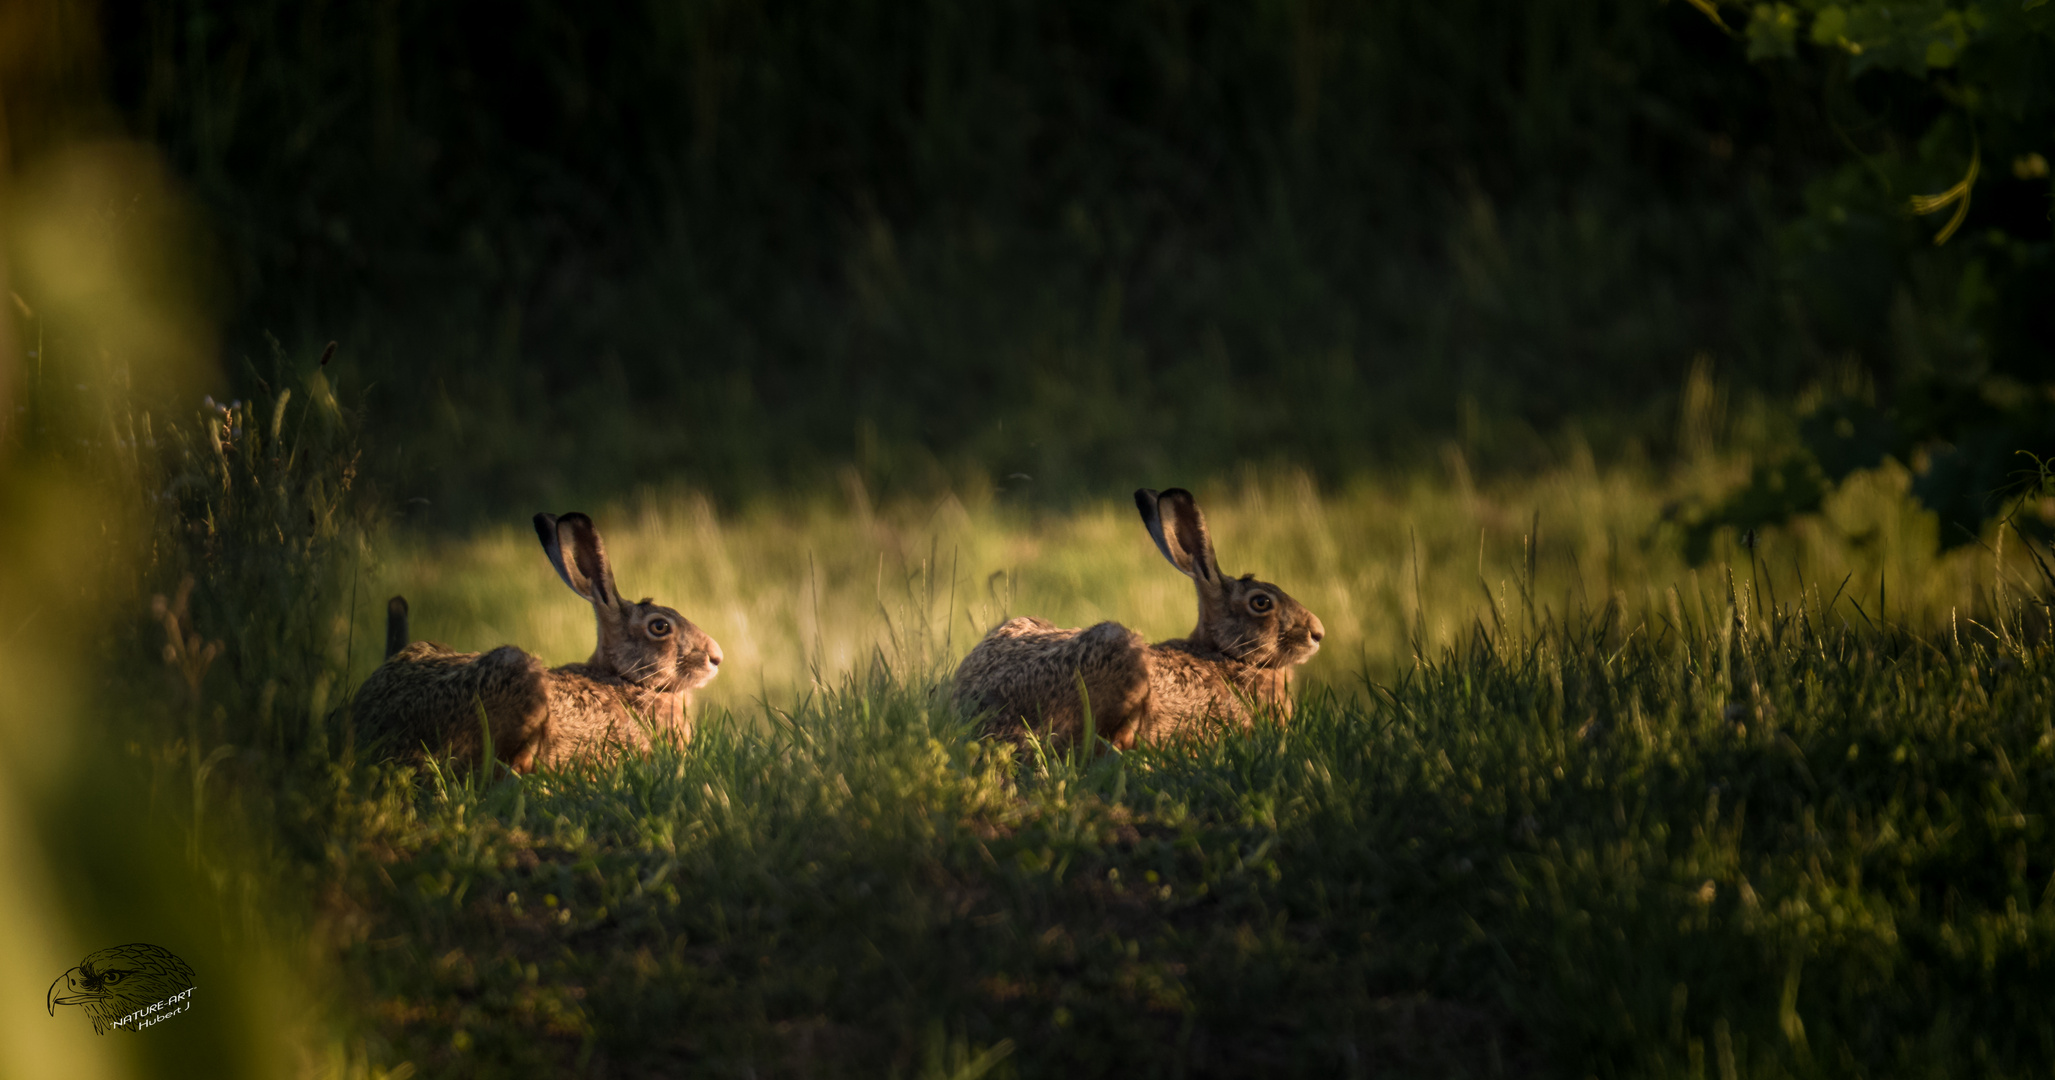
x: 396, y: 636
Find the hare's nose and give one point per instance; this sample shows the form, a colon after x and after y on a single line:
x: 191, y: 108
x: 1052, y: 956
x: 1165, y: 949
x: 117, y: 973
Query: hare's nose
x: 1316, y: 631
x: 713, y: 654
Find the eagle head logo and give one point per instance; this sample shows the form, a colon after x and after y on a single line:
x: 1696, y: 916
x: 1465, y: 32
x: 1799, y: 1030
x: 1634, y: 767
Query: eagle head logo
x: 113, y: 985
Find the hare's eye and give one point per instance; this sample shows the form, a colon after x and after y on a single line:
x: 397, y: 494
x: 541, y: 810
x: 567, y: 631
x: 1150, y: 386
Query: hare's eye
x: 659, y: 627
x: 1260, y: 603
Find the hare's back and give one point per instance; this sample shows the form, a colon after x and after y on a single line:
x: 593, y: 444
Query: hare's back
x: 1013, y: 655
x: 592, y: 712
x: 429, y: 656
x: 392, y: 697
x: 429, y: 694
x: 1194, y: 692
x: 1025, y: 673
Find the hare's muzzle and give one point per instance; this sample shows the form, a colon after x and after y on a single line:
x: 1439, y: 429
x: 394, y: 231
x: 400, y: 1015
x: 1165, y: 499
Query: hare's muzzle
x: 1307, y: 635
x: 700, y: 660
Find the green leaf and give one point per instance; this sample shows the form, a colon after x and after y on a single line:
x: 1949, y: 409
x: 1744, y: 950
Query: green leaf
x: 1772, y: 31
x: 1830, y: 26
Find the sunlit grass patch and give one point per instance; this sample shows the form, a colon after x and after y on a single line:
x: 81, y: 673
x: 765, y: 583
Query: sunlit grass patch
x: 799, y: 592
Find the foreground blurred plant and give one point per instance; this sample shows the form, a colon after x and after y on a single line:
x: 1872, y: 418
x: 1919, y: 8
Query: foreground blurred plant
x: 102, y: 313
x: 256, y: 508
x: 191, y: 657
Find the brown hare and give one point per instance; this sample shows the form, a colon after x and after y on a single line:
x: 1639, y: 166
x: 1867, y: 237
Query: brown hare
x: 1024, y: 675
x: 636, y: 687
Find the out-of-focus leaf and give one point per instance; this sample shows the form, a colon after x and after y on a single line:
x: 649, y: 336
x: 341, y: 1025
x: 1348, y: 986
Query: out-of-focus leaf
x: 1910, y: 37
x: 1984, y: 471
x: 1830, y: 29
x: 1772, y: 31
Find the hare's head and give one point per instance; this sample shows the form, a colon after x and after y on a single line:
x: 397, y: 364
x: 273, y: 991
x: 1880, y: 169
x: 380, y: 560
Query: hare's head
x: 1249, y: 620
x: 644, y: 643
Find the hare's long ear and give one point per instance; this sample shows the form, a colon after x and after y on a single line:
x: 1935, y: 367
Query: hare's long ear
x: 1182, y: 538
x: 585, y: 570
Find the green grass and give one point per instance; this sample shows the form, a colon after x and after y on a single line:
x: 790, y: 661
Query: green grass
x: 1607, y: 816
x: 1757, y: 850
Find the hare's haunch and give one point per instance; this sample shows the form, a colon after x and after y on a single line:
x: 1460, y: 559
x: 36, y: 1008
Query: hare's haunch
x: 1025, y: 674
x: 636, y: 687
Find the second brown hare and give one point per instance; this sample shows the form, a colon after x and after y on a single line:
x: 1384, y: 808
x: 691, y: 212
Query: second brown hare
x: 1024, y: 675
x: 635, y: 689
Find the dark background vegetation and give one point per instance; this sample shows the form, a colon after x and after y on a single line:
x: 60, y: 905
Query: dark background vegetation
x: 574, y: 248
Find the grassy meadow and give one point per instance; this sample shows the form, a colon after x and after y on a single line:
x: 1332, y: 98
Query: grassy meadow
x: 1554, y: 803
x: 802, y: 591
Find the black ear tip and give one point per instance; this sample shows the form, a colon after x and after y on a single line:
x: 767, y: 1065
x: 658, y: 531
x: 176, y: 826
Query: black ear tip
x: 396, y: 606
x: 545, y: 525
x: 1145, y: 499
x: 1177, y: 493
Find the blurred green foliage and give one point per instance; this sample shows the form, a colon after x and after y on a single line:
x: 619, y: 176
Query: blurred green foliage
x: 1926, y: 254
x: 114, y: 740
x: 578, y: 248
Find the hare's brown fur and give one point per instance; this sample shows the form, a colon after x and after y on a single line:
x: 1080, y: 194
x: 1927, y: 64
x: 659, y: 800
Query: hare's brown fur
x: 1024, y: 675
x: 633, y: 691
